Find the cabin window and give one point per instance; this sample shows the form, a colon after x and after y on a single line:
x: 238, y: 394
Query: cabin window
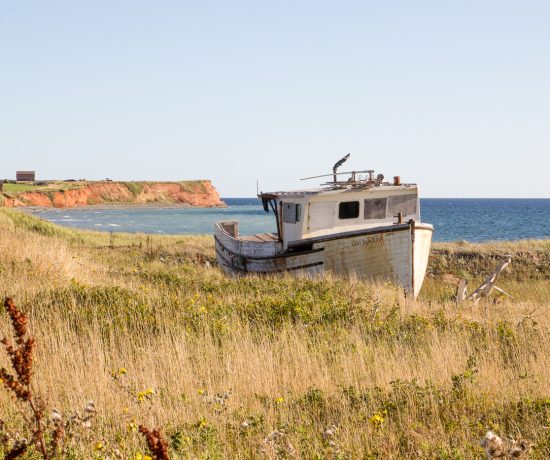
x: 405, y: 204
x: 292, y: 213
x: 375, y: 208
x: 348, y: 210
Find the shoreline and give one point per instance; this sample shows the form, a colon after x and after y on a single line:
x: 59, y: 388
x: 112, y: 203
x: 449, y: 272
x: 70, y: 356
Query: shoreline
x: 107, y: 228
x: 182, y: 219
x: 118, y: 206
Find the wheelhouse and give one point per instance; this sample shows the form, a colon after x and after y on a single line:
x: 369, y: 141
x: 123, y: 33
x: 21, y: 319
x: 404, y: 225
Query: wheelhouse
x: 313, y: 213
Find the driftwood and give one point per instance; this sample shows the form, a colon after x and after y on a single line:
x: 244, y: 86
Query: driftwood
x: 485, y: 289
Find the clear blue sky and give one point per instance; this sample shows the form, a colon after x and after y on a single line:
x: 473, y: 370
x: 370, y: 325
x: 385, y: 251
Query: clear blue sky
x: 452, y: 95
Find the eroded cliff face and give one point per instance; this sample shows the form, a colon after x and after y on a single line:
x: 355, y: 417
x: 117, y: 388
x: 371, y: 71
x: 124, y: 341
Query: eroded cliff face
x: 196, y: 193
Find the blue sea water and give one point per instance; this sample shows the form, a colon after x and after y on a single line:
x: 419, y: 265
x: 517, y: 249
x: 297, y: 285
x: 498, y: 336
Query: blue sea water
x: 453, y: 219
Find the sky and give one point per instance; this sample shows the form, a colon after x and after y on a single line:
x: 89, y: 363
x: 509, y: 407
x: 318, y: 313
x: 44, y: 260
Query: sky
x: 454, y: 96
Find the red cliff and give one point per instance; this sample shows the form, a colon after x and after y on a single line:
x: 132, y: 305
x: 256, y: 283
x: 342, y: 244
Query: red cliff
x: 67, y: 195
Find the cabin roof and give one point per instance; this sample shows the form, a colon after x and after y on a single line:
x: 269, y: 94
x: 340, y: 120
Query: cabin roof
x: 386, y: 186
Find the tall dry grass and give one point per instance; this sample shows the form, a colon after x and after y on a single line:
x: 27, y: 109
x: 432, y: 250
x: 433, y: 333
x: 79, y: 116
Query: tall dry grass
x: 274, y: 367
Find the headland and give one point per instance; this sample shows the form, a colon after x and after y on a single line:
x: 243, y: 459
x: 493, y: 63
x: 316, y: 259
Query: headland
x: 70, y: 194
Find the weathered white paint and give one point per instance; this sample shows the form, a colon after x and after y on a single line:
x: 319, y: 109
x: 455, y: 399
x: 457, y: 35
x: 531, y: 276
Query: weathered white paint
x: 422, y: 243
x: 246, y: 248
x: 321, y: 216
x: 321, y: 242
x: 385, y: 255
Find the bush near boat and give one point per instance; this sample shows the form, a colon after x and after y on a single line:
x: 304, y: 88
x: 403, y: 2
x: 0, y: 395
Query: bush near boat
x: 255, y: 367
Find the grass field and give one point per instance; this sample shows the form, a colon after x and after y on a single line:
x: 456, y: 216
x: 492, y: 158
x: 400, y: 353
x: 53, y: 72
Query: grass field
x: 134, y: 187
x: 151, y: 331
x: 51, y: 186
x: 22, y: 187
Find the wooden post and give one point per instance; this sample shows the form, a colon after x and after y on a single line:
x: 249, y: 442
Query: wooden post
x: 461, y: 291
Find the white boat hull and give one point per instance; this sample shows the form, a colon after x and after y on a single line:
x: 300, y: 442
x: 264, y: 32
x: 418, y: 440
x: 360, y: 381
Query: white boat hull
x: 397, y: 253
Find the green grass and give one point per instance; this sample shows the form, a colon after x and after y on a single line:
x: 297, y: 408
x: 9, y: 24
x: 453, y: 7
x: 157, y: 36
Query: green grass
x: 52, y: 186
x: 530, y: 259
x: 22, y: 187
x: 13, y: 219
x: 191, y: 185
x: 135, y: 187
x: 397, y: 378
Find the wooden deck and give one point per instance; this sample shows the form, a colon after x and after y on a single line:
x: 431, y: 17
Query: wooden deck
x: 260, y: 238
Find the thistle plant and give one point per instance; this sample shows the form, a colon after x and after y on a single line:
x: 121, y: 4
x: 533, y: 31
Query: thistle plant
x: 18, y: 383
x: 496, y: 447
x: 277, y: 445
x: 158, y: 446
x: 54, y: 428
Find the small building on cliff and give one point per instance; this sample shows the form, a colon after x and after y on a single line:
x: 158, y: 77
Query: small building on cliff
x: 25, y: 176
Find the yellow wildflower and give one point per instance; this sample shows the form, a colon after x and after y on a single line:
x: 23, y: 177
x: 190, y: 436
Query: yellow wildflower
x: 146, y: 394
x: 140, y: 456
x: 203, y: 423
x: 279, y: 400
x: 378, y: 418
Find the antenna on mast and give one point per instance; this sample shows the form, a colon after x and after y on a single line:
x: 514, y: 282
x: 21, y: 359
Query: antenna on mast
x: 337, y: 165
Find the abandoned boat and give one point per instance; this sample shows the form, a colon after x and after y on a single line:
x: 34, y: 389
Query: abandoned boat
x: 360, y: 226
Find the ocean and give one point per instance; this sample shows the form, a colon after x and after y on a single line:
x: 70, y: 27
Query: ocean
x: 473, y: 220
